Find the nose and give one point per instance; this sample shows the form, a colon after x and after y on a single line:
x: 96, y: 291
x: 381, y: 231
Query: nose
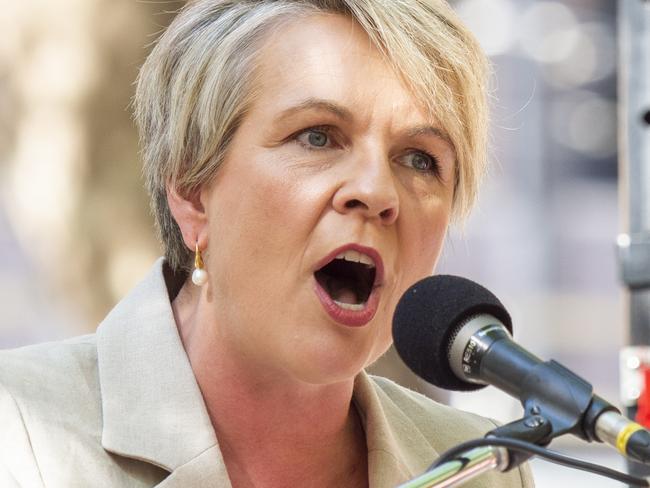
x: 369, y: 189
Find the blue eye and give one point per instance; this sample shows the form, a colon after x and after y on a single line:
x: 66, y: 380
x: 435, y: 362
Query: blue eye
x: 314, y: 138
x: 317, y: 138
x: 422, y: 161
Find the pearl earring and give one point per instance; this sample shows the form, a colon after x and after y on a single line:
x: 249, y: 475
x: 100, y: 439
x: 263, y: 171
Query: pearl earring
x: 199, y: 275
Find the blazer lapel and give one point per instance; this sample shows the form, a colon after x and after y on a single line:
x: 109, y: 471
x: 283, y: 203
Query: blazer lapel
x: 152, y: 407
x: 397, y: 451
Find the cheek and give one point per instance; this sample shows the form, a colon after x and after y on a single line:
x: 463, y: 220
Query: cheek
x: 286, y: 210
x: 432, y: 239
x: 255, y: 200
x: 426, y: 234
x: 263, y: 215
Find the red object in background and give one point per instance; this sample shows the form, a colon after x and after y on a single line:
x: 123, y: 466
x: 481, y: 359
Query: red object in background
x: 643, y: 404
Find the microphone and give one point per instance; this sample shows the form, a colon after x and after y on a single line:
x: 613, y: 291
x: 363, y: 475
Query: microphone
x: 455, y: 334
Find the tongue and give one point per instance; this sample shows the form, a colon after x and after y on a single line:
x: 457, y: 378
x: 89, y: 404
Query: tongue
x: 341, y: 292
x: 345, y: 295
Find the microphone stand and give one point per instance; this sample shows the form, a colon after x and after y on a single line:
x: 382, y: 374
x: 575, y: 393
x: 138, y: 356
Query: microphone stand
x: 463, y: 468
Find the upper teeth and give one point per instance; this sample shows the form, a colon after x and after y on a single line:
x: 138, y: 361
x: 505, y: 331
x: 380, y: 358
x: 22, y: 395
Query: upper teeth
x: 356, y: 257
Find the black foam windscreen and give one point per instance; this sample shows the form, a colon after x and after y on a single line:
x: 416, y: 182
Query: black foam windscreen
x: 427, y: 319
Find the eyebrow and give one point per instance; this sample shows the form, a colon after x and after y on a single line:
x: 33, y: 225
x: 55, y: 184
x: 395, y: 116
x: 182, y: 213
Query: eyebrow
x: 429, y: 130
x: 317, y: 104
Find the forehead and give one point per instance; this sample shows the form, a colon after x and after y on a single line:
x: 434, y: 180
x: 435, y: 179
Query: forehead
x: 330, y: 57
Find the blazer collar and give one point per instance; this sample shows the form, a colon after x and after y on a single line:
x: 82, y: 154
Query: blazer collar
x: 152, y: 407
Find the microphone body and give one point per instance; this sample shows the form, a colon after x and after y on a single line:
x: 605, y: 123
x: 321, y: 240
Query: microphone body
x: 475, y: 348
x: 483, y: 352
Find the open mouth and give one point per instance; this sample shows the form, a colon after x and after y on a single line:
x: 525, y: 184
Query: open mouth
x: 348, y: 279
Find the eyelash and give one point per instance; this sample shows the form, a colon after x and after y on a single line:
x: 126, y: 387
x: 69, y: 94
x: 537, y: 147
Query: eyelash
x: 433, y: 170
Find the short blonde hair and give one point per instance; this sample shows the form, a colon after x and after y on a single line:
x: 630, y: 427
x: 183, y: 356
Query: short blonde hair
x: 195, y: 87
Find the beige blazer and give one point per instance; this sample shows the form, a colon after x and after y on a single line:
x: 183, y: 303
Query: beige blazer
x: 121, y: 408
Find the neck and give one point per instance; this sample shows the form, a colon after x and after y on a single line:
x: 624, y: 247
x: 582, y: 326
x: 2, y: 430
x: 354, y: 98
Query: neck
x: 272, y: 430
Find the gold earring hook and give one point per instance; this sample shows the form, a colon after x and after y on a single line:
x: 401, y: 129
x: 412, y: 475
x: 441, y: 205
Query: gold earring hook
x: 198, y: 260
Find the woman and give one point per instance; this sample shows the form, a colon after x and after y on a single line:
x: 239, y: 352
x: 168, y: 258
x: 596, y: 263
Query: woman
x: 305, y: 158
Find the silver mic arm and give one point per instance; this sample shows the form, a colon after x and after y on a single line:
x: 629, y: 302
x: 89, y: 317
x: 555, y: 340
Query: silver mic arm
x: 462, y: 468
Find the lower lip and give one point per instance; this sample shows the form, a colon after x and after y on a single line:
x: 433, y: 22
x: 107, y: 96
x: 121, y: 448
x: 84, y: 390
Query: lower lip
x: 350, y: 318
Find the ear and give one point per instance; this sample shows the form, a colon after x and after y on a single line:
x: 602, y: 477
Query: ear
x: 190, y: 215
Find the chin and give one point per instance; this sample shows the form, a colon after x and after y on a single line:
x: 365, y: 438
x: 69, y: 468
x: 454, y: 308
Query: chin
x: 322, y: 368
x: 333, y: 364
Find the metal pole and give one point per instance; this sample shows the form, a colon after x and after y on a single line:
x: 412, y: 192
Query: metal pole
x: 462, y: 469
x: 634, y: 178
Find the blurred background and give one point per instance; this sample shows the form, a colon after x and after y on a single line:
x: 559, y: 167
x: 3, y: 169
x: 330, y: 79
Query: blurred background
x: 76, y: 234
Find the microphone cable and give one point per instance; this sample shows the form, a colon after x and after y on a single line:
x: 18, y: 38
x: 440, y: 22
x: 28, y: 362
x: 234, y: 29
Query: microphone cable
x: 543, y: 453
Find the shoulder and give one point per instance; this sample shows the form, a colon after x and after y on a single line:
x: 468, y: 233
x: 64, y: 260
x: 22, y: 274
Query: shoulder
x: 51, y: 411
x: 73, y: 349
x: 53, y: 385
x: 50, y: 370
x: 49, y: 403
x: 443, y: 427
x: 432, y: 418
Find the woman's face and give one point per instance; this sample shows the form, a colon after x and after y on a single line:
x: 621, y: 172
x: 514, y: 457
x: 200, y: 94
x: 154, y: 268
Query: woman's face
x: 335, y: 158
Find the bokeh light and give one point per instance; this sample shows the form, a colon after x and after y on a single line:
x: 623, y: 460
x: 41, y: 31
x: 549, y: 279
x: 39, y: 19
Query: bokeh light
x: 547, y: 32
x: 585, y: 122
x: 592, y: 57
x: 496, y: 36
